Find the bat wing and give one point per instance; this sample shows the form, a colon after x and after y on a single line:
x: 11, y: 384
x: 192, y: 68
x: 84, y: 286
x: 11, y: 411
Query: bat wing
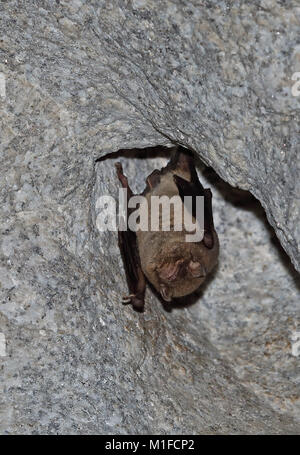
x: 132, y: 265
x: 183, y: 160
x: 129, y: 251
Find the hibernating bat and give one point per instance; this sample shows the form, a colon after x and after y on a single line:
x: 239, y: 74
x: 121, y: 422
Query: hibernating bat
x: 172, y: 265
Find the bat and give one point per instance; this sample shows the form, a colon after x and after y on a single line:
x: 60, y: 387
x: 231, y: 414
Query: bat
x: 174, y: 266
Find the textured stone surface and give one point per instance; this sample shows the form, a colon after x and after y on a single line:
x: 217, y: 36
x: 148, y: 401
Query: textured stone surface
x: 87, y: 79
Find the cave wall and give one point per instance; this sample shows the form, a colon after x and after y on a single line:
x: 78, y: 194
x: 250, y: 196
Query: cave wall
x: 84, y: 79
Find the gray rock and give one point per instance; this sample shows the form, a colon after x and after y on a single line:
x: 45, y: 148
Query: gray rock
x: 84, y: 80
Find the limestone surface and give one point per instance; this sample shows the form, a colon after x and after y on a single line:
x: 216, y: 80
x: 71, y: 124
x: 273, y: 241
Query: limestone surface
x: 83, y: 79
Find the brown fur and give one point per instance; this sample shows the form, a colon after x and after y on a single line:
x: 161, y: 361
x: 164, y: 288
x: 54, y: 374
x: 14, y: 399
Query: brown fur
x: 157, y: 249
x: 174, y: 267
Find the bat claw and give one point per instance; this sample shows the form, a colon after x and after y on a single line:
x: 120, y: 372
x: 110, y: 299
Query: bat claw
x: 121, y: 176
x: 119, y: 167
x: 127, y: 298
x: 137, y: 302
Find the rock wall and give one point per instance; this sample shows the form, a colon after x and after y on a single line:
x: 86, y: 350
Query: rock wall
x: 80, y: 80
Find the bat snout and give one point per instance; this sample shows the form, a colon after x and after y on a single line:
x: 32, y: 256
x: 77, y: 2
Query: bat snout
x: 171, y: 270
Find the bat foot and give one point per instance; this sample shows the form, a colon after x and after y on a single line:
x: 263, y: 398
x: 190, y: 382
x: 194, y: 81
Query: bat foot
x: 153, y: 179
x: 122, y: 178
x: 119, y: 167
x: 120, y: 175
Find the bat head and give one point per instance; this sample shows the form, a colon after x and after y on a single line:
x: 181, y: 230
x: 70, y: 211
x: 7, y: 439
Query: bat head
x: 180, y: 272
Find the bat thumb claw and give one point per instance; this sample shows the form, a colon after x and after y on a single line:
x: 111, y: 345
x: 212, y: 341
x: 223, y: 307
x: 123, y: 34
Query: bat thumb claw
x: 137, y: 303
x: 127, y: 298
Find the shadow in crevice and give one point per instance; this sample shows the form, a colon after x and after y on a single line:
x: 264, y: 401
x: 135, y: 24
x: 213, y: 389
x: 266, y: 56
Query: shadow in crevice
x: 244, y: 200
x: 189, y: 300
x: 158, y: 151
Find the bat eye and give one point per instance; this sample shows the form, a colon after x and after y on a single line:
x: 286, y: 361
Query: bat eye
x: 196, y: 269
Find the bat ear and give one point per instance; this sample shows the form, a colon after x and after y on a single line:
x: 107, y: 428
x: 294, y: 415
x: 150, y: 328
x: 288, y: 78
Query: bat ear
x: 165, y: 293
x: 208, y: 240
x: 196, y: 269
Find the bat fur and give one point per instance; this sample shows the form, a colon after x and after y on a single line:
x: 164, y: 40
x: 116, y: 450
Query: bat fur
x: 174, y: 267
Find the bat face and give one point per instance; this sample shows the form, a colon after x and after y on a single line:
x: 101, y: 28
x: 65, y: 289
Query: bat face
x: 179, y: 268
x: 174, y: 266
